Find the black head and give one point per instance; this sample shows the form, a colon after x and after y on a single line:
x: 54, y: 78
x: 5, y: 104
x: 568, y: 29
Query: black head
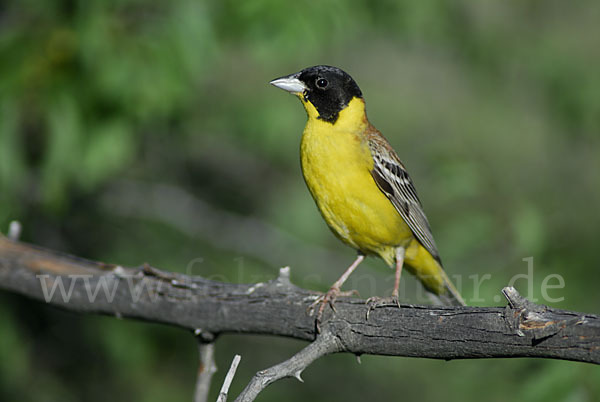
x: 327, y: 88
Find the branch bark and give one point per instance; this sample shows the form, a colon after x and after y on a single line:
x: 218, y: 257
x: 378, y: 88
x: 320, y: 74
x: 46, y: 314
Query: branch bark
x: 326, y: 343
x: 206, y: 369
x: 277, y: 307
x: 224, y: 393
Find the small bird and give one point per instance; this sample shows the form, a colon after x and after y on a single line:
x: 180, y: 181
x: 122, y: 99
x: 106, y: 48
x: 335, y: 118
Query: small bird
x: 360, y: 185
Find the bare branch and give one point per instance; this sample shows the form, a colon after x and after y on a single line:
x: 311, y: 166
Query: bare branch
x: 279, y: 308
x: 228, y: 379
x: 326, y: 343
x: 206, y: 369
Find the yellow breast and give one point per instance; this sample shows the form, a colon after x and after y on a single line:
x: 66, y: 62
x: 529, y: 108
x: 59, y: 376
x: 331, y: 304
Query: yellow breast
x: 337, y: 163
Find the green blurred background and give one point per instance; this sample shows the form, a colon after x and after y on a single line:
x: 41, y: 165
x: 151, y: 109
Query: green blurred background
x: 135, y: 131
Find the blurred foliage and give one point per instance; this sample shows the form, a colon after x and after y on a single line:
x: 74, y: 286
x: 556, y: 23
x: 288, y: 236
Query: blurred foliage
x: 494, y: 107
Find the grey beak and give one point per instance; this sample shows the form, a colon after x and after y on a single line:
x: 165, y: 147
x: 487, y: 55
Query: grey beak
x: 289, y: 83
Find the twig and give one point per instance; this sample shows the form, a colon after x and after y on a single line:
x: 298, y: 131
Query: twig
x: 326, y: 343
x: 228, y: 379
x: 206, y: 369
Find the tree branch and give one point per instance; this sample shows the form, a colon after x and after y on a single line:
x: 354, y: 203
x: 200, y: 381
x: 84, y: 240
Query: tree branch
x: 223, y: 394
x: 326, y: 343
x: 209, y: 308
x: 206, y: 369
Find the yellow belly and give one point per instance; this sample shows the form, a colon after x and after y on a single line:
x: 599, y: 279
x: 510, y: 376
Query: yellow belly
x: 337, y: 169
x: 337, y: 164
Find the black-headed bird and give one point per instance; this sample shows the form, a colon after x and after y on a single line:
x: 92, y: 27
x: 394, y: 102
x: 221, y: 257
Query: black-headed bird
x: 360, y: 185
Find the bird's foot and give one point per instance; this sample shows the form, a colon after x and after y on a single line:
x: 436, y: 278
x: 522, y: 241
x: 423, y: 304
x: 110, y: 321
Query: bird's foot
x: 327, y: 298
x: 376, y: 301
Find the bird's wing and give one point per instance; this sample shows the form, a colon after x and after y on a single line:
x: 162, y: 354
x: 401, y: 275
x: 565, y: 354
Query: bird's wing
x: 393, y: 180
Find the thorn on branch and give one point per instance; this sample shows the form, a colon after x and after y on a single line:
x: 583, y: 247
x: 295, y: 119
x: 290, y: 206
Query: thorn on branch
x: 283, y: 279
x: 282, y: 282
x: 284, y: 275
x: 514, y: 298
x: 298, y: 375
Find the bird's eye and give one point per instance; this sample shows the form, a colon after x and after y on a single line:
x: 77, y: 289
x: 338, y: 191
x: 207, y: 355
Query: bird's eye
x: 321, y: 83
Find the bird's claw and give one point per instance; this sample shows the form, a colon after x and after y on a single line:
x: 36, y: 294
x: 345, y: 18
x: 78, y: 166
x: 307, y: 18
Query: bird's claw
x: 376, y: 301
x: 327, y: 299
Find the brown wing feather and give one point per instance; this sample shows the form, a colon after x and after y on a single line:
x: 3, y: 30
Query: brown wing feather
x: 393, y: 180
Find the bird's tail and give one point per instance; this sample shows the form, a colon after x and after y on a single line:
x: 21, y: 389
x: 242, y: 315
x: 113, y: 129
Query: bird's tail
x: 431, y: 274
x: 451, y: 296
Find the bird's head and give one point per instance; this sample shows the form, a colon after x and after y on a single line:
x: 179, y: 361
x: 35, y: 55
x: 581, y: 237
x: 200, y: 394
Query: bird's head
x: 328, y: 89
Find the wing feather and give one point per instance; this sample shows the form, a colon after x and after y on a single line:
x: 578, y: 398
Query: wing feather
x: 393, y: 180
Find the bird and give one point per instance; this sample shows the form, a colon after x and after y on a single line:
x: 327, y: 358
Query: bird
x: 361, y: 187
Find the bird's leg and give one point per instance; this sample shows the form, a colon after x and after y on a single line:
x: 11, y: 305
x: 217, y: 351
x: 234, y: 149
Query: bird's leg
x: 334, y: 292
x: 399, y: 263
x: 374, y: 302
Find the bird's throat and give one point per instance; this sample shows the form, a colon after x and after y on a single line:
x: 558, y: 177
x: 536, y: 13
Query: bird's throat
x: 351, y: 118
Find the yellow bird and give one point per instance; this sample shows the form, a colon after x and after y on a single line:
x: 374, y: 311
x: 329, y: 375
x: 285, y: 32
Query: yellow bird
x: 360, y: 185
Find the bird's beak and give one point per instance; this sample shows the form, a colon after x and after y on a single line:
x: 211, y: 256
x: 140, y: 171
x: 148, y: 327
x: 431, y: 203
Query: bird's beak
x: 290, y: 83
